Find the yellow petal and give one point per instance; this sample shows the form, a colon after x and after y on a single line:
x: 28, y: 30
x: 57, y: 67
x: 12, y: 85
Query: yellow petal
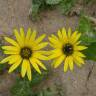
x: 40, y: 63
x: 22, y: 33
x: 70, y: 62
x: 59, y: 34
x: 40, y: 56
x: 11, y: 41
x: 53, y: 36
x: 40, y: 46
x: 10, y: 48
x: 53, y: 40
x: 44, y: 52
x: 69, y: 32
x: 24, y: 67
x: 29, y: 72
x: 75, y: 37
x: 79, y: 48
x: 14, y: 66
x: 14, y: 58
x: 56, y: 44
x: 55, y: 53
x: 39, y: 39
x: 79, y: 54
x: 35, y: 66
x: 11, y: 52
x: 59, y: 61
x: 78, y: 59
x: 77, y: 43
x: 33, y: 36
x: 66, y: 65
x: 28, y: 35
x: 18, y: 38
x: 5, y: 60
x: 77, y: 63
x: 64, y: 35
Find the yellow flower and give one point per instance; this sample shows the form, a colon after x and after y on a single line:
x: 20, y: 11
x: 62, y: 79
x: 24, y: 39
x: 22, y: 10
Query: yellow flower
x: 25, y: 51
x: 67, y: 49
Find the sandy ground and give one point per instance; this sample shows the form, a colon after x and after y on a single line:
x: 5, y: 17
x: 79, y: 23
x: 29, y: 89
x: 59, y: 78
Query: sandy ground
x: 14, y: 13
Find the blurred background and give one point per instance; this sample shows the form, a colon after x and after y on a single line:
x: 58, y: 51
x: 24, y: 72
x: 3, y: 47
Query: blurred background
x: 47, y: 16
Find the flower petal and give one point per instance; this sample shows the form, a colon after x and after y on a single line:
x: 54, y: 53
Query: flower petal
x: 11, y: 52
x: 11, y: 48
x: 66, y: 63
x: 40, y: 63
x: 35, y: 66
x: 40, y: 46
x: 70, y: 62
x: 79, y: 48
x: 55, y: 53
x: 79, y: 54
x: 60, y: 35
x: 29, y: 72
x: 69, y: 32
x: 33, y: 36
x: 14, y: 58
x: 55, y: 43
x: 22, y: 33
x: 15, y: 65
x: 11, y: 41
x: 24, y: 67
x: 6, y: 59
x: 40, y: 56
x: 75, y: 37
x: 39, y: 39
x: 28, y: 35
x: 59, y: 61
x: 18, y: 38
x: 78, y: 59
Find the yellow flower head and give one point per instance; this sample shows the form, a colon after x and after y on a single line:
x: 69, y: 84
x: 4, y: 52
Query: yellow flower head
x: 25, y: 51
x: 67, y: 48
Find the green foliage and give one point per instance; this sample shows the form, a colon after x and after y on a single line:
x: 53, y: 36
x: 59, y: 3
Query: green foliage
x: 45, y: 92
x: 88, y: 37
x: 38, y: 78
x: 23, y: 87
x: 66, y: 6
x: 87, y: 30
x: 53, y: 2
x: 91, y: 51
x: 37, y: 7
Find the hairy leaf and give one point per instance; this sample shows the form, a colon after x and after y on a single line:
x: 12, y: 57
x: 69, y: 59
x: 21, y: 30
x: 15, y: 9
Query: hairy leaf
x: 87, y: 30
x: 66, y: 6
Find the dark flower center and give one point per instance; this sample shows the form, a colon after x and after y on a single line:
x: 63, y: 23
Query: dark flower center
x: 26, y: 53
x: 68, y: 49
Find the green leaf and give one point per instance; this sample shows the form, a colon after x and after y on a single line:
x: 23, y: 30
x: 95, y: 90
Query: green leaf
x: 34, y: 10
x: 87, y: 30
x: 90, y: 52
x: 66, y: 6
x: 37, y: 78
x: 23, y: 87
x: 53, y: 2
x: 46, y: 92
